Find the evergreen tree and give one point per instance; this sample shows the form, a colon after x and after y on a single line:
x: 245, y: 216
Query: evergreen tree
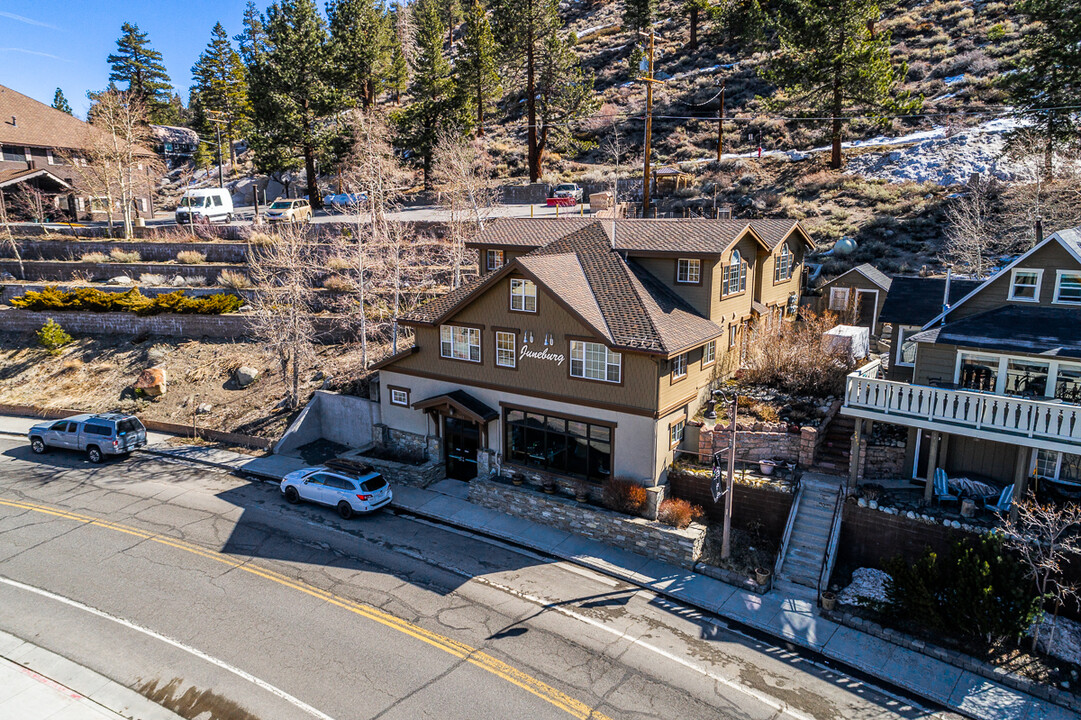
x: 252, y: 41
x: 290, y: 92
x: 450, y: 14
x: 478, y: 73
x: 140, y: 66
x: 397, y: 76
x: 360, y: 44
x: 221, y: 90
x: 833, y: 62
x: 437, y: 105
x: 522, y: 27
x: 1049, y: 75
x: 638, y: 15
x: 694, y: 10
x: 566, y: 93
x: 60, y: 102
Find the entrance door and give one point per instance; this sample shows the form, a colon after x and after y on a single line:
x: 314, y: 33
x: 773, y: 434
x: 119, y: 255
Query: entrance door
x: 867, y: 308
x: 462, y: 438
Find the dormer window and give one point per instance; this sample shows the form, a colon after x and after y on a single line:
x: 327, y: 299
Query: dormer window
x: 1025, y: 285
x: 782, y: 268
x: 1068, y: 287
x: 688, y: 271
x: 523, y: 295
x: 493, y: 259
x: 734, y: 278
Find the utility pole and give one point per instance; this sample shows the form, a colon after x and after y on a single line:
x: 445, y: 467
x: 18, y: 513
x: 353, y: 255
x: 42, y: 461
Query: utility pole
x: 649, y: 127
x: 730, y: 484
x: 720, y: 125
x: 213, y: 117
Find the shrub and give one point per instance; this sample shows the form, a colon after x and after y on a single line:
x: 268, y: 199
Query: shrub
x: 233, y: 279
x: 124, y: 256
x: 679, y: 513
x: 793, y: 357
x: 191, y: 257
x: 94, y: 257
x: 625, y: 496
x: 52, y: 337
x: 94, y: 300
x: 338, y: 283
x: 337, y: 263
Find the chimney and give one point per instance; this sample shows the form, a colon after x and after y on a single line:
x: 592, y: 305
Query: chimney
x: 13, y: 123
x: 1039, y: 229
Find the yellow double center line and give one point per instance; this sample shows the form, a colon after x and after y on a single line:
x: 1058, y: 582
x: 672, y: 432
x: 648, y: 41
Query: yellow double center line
x: 460, y: 650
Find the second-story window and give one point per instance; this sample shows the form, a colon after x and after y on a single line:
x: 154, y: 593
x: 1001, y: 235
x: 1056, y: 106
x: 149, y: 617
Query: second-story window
x: 1025, y: 285
x: 679, y: 367
x: 459, y: 343
x: 493, y: 259
x: 505, y: 355
x: 782, y: 268
x: 523, y: 295
x: 734, y: 278
x: 14, y: 154
x: 709, y: 353
x: 594, y: 361
x: 688, y: 270
x: 1068, y: 287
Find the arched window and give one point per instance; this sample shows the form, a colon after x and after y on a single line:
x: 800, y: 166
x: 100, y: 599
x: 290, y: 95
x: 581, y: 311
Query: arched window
x: 734, y: 279
x: 782, y: 269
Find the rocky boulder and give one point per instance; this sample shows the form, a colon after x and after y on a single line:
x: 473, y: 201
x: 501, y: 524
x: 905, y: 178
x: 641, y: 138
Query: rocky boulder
x: 120, y: 280
x: 245, y: 375
x: 152, y: 381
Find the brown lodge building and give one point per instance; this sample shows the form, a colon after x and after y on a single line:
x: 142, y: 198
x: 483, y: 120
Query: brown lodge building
x: 584, y: 347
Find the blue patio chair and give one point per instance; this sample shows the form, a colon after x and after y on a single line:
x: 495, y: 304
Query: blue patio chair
x: 942, y: 488
x: 1005, y: 501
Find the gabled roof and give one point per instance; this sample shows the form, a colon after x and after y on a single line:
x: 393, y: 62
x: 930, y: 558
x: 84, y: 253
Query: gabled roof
x: 21, y: 175
x: 621, y: 302
x: 460, y: 402
x: 870, y: 272
x: 1070, y: 239
x: 1036, y: 330
x: 915, y: 300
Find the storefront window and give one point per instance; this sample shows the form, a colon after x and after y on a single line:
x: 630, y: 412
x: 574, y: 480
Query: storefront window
x: 558, y: 445
x: 1026, y: 379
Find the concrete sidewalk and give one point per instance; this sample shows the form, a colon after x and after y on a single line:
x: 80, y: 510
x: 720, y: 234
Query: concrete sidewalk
x: 790, y: 616
x: 36, y: 684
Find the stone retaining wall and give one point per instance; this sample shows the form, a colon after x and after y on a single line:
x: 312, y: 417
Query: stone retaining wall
x: 216, y: 252
x: 883, y: 462
x: 754, y: 508
x: 637, y: 535
x: 753, y: 446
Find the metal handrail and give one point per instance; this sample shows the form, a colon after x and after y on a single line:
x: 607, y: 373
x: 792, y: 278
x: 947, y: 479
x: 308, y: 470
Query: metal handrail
x: 835, y: 536
x: 793, y: 511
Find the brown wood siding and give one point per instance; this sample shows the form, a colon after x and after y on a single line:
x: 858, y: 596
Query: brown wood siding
x: 492, y: 310
x: 697, y: 379
x: 855, y: 281
x: 966, y: 456
x: 1050, y: 258
x: 725, y: 309
x: 934, y: 361
x: 901, y: 373
x: 766, y: 291
x: 664, y: 269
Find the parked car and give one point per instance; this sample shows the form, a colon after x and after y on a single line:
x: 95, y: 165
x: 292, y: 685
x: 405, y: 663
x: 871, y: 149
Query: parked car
x: 96, y: 435
x: 344, y: 201
x: 294, y: 211
x: 349, y: 486
x: 568, y: 190
x: 207, y: 205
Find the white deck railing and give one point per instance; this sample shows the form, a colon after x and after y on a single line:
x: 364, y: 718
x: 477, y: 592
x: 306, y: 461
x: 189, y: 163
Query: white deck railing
x: 982, y: 412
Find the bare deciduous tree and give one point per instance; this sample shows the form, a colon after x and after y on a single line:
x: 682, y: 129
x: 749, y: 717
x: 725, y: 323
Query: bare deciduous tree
x: 1045, y: 536
x: 8, y: 238
x: 971, y: 238
x: 468, y: 192
x: 283, y: 273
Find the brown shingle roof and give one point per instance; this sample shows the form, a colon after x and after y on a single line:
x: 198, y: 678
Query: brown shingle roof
x: 623, y: 303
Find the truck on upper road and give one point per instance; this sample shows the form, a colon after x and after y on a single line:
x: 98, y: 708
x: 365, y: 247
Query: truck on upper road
x: 96, y: 435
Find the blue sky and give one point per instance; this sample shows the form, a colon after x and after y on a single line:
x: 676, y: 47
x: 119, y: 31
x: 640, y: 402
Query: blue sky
x: 46, y: 44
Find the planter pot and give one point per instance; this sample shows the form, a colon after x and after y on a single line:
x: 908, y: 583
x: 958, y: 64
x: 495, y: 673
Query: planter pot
x: 517, y: 480
x: 761, y: 576
x: 766, y: 466
x: 829, y: 600
x: 550, y: 489
x: 582, y: 498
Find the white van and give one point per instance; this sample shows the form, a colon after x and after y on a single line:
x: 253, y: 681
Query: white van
x: 212, y: 204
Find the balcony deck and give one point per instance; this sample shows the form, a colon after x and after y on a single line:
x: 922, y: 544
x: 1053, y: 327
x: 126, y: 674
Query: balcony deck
x: 1045, y: 424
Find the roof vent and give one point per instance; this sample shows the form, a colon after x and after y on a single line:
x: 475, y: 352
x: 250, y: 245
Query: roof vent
x: 13, y: 123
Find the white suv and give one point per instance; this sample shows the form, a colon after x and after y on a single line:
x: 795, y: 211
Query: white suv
x: 346, y: 485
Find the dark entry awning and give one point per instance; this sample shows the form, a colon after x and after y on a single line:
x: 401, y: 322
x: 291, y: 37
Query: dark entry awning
x: 459, y: 404
x: 39, y: 178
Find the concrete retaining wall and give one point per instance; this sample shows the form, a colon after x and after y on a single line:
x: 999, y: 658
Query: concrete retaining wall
x: 61, y: 271
x: 343, y: 419
x: 754, y: 508
x: 679, y: 547
x: 216, y: 252
x: 868, y: 537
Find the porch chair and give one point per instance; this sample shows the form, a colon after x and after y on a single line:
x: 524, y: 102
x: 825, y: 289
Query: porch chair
x: 942, y: 488
x: 1005, y: 501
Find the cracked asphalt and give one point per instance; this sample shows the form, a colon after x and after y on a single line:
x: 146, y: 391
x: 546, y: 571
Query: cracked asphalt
x: 293, y: 613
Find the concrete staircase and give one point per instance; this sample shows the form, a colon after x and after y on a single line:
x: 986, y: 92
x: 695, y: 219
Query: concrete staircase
x: 835, y: 452
x: 810, y: 536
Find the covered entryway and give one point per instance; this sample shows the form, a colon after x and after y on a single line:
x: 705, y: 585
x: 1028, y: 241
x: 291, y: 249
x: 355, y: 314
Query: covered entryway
x: 36, y: 196
x: 463, y: 421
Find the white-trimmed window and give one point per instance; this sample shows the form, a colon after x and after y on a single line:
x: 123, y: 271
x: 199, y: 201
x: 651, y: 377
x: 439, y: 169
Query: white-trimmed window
x: 734, y: 277
x: 399, y: 396
x: 523, y: 295
x: 733, y: 335
x: 1025, y: 284
x: 1058, y: 465
x: 505, y: 355
x: 906, y: 349
x: 14, y: 154
x: 782, y: 267
x: 51, y: 157
x: 1019, y: 376
x: 459, y: 343
x: 679, y: 366
x: 676, y: 431
x: 838, y: 299
x: 594, y: 361
x: 688, y: 270
x: 1068, y: 287
x: 493, y: 259
x: 709, y: 353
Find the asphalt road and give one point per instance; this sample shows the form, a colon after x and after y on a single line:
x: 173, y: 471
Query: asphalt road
x: 212, y: 595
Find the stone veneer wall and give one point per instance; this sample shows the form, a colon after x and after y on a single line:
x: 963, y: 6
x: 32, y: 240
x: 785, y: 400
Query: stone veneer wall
x: 754, y: 508
x: 637, y: 535
x: 883, y: 462
x: 752, y: 445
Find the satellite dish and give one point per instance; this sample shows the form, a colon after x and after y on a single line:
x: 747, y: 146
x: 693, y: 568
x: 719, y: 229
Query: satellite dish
x: 845, y: 246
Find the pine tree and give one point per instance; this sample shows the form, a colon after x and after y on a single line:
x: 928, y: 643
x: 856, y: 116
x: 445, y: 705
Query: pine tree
x: 833, y: 62
x: 566, y: 93
x: 291, y: 92
x: 1049, y: 75
x: 140, y: 66
x: 60, y: 102
x: 522, y: 27
x: 450, y: 14
x: 252, y: 42
x: 478, y: 73
x: 221, y: 89
x: 638, y: 15
x: 437, y: 105
x: 694, y: 10
x: 396, y: 79
x: 360, y: 44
